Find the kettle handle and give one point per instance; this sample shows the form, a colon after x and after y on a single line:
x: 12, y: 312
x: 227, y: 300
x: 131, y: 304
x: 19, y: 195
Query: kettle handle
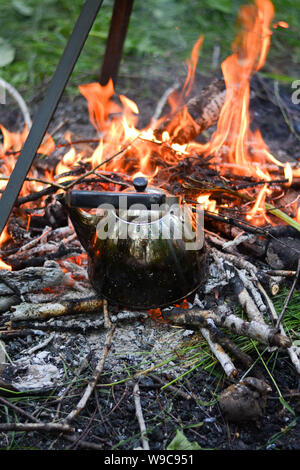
x: 93, y: 199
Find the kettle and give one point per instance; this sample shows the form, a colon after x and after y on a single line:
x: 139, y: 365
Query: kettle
x: 144, y: 248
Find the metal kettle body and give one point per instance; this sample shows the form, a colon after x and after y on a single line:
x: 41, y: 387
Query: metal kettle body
x: 139, y: 257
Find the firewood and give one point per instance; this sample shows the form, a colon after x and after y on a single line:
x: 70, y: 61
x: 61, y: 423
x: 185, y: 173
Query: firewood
x: 293, y: 350
x: 270, y: 279
x: 220, y: 354
x: 7, y: 301
x: 203, y: 110
x: 58, y: 252
x: 87, y: 321
x: 243, y: 287
x: 140, y: 417
x: 197, y: 318
x: 30, y: 279
x: 31, y: 311
x: 220, y: 337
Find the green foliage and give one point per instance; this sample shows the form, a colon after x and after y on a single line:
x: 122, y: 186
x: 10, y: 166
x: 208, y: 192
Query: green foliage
x: 36, y: 32
x: 180, y: 442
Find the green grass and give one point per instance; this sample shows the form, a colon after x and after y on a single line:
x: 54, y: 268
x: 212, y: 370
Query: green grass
x: 160, y: 30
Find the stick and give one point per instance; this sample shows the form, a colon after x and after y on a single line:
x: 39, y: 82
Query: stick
x: 34, y: 242
x: 37, y: 180
x: 11, y: 334
x: 238, y: 280
x: 196, y: 318
x: 140, y: 417
x: 218, y: 336
x: 84, y: 364
x: 220, y: 354
x: 92, y: 384
x: 271, y: 278
x: 293, y: 351
x: 28, y: 311
x: 107, y: 322
x: 39, y: 346
x: 39, y: 427
x: 82, y: 177
x: 289, y: 296
x: 19, y: 410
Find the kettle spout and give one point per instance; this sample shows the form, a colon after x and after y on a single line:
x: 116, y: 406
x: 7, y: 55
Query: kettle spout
x: 84, y: 224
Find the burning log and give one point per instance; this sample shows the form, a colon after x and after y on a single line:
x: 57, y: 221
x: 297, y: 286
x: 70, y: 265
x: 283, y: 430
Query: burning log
x: 31, y: 279
x: 202, y: 112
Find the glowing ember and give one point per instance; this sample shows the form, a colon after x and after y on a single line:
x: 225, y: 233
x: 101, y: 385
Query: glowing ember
x: 206, y: 203
x: 3, y: 239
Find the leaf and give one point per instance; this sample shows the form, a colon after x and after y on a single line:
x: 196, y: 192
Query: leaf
x: 180, y: 442
x: 286, y: 405
x: 21, y: 7
x: 279, y: 77
x: 7, y: 52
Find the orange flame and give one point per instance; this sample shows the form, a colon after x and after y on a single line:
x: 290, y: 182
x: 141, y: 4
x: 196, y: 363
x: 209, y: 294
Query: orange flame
x: 233, y: 134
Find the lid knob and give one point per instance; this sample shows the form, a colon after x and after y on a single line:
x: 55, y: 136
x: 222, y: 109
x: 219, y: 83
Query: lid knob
x: 140, y: 184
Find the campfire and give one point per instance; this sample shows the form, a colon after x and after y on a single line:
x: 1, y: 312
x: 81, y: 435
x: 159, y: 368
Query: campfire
x: 201, y: 148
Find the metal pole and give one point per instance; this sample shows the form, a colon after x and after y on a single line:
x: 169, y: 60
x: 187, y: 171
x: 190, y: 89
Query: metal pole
x: 116, y: 38
x: 48, y: 106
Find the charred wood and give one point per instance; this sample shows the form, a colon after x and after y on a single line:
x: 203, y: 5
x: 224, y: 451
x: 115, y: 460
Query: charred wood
x: 29, y: 311
x: 30, y: 279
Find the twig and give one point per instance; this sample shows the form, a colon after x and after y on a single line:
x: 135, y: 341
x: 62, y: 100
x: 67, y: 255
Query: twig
x: 218, y: 336
x: 18, y: 98
x: 81, y: 141
x: 289, y: 296
x: 293, y: 351
x: 37, y: 180
x: 81, y: 368
x: 161, y: 103
x: 92, y: 384
x: 110, y: 180
x: 90, y: 172
x: 40, y: 345
x: 220, y: 354
x: 39, y: 427
x: 107, y: 322
x: 34, y: 242
x: 83, y: 444
x: 19, y: 410
x: 140, y: 417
